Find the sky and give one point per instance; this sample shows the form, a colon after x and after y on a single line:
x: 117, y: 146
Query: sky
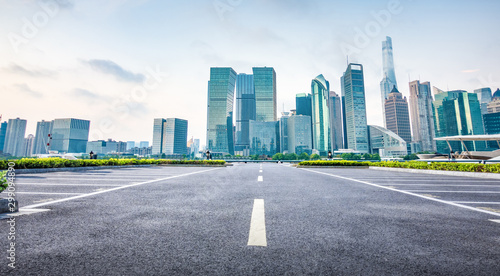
x: 121, y: 63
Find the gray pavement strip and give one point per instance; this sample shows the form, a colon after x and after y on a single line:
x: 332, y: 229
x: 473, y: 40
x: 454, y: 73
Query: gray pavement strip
x: 410, y: 193
x: 451, y: 173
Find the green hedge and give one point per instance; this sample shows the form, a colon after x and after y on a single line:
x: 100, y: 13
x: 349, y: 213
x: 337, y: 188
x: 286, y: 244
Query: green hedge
x: 442, y: 166
x: 335, y: 163
x: 3, y: 181
x: 41, y: 163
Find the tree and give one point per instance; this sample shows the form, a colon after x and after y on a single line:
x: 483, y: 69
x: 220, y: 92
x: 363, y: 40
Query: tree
x: 304, y: 156
x: 315, y: 156
x: 278, y: 156
x: 290, y: 156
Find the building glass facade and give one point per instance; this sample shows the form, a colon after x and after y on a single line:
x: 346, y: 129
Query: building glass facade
x: 70, y: 135
x: 422, y: 118
x: 283, y: 126
x: 320, y: 91
x: 397, y: 115
x: 355, y: 108
x: 3, y: 132
x: 458, y: 113
x: 265, y: 94
x: 389, y: 78
x: 175, y: 136
x: 220, y: 107
x: 245, y: 112
x: 336, y: 123
x: 484, y: 97
x: 299, y: 134
x: 386, y: 143
x: 264, y: 138
x: 158, y: 136
x: 43, y: 129
x: 14, y: 137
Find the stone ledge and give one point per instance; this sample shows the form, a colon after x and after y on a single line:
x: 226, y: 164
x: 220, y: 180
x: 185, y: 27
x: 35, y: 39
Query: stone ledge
x: 451, y: 173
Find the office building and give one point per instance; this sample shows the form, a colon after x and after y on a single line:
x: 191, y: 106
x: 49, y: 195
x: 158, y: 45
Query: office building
x: 107, y: 147
x: 353, y: 89
x: 264, y: 138
x: 3, y: 132
x: 494, y: 105
x: 458, y: 113
x: 130, y: 145
x: 422, y: 118
x: 265, y: 94
x: 144, y: 144
x: 245, y: 112
x: 70, y: 135
x: 193, y: 146
x: 320, y: 91
x: 299, y: 134
x: 170, y: 136
x: 42, y: 139
x: 389, y: 79
x: 303, y: 104
x: 335, y: 111
x: 28, y: 145
x: 220, y: 110
x: 386, y: 143
x: 397, y: 115
x: 283, y: 130
x: 484, y: 98
x: 14, y: 137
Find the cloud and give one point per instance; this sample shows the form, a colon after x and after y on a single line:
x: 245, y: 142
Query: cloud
x: 18, y: 69
x: 84, y: 93
x: 471, y: 71
x: 111, y: 68
x: 65, y: 4
x: 25, y: 89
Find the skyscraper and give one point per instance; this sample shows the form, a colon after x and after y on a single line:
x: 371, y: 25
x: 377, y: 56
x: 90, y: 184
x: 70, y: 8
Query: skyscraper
x: 264, y: 138
x: 130, y: 145
x: 265, y: 94
x: 422, y: 118
x: 484, y: 97
x: 175, y: 136
x: 389, y: 78
x: 320, y: 90
x: 70, y: 135
x: 158, y: 136
x: 14, y: 137
x: 299, y: 134
x: 245, y: 112
x: 355, y: 108
x: 144, y: 144
x: 458, y: 113
x: 43, y: 129
x: 28, y: 145
x: 397, y: 115
x: 334, y: 107
x: 303, y: 104
x: 283, y: 127
x: 220, y: 109
x: 3, y: 131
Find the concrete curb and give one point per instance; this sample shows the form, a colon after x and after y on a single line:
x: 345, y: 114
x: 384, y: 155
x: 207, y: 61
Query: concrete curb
x: 72, y: 169
x: 451, y: 173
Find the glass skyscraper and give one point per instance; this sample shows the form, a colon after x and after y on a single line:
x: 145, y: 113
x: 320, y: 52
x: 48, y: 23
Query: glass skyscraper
x: 158, y: 125
x: 334, y: 107
x: 397, y: 115
x: 458, y: 113
x: 3, y: 131
x: 264, y: 138
x: 43, y: 129
x: 14, y: 137
x: 283, y: 126
x: 170, y: 136
x: 299, y: 134
x: 220, y: 108
x: 484, y: 97
x: 389, y: 78
x: 303, y: 104
x: 245, y: 111
x: 265, y: 94
x: 422, y: 118
x: 320, y: 91
x: 70, y: 135
x: 353, y: 89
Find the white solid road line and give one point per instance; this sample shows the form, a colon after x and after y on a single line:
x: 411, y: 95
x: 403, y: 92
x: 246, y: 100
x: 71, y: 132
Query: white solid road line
x: 42, y: 193
x: 260, y: 178
x: 443, y: 185
x: 257, y: 235
x: 260, y: 171
x: 466, y: 192
x: 495, y: 220
x: 409, y: 193
x: 113, y: 189
x: 472, y: 202
x: 52, y: 184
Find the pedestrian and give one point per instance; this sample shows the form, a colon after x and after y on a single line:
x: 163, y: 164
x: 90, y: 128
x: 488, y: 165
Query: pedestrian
x: 91, y: 155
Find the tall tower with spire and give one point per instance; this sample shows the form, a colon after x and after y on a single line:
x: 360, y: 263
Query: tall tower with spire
x: 389, y: 79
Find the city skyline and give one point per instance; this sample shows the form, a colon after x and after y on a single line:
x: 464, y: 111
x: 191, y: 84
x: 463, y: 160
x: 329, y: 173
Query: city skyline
x: 71, y: 68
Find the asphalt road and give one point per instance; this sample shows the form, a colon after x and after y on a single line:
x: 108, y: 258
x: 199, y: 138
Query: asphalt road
x: 200, y: 221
